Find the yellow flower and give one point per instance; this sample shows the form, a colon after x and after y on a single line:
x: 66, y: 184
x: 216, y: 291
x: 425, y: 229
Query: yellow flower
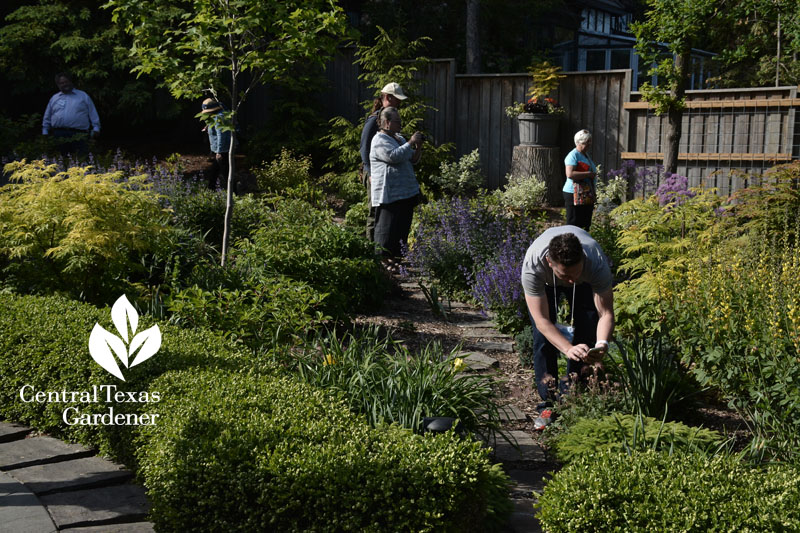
x: 458, y: 364
x: 328, y: 360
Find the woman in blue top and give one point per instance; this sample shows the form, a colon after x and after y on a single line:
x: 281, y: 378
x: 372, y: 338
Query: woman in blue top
x: 576, y: 164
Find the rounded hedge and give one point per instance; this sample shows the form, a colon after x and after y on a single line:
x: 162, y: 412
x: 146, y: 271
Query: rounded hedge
x: 655, y: 491
x: 45, y: 345
x: 256, y: 453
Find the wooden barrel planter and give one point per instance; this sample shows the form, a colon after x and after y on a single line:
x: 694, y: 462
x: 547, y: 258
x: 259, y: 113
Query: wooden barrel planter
x: 538, y: 129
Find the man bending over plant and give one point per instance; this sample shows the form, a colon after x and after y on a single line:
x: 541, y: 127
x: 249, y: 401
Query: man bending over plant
x: 565, y: 260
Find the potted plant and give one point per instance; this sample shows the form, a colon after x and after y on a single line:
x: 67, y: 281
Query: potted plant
x: 539, y: 117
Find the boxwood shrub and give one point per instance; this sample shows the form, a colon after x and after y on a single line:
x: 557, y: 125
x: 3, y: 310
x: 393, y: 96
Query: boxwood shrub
x: 654, y: 491
x: 256, y: 453
x: 44, y: 343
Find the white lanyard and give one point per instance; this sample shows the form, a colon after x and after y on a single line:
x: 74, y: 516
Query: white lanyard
x: 572, y: 306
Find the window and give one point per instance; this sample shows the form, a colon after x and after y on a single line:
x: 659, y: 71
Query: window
x: 595, y: 60
x: 620, y: 59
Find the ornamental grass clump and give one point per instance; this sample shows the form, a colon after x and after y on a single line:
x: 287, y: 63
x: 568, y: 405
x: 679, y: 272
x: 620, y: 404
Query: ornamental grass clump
x: 384, y: 381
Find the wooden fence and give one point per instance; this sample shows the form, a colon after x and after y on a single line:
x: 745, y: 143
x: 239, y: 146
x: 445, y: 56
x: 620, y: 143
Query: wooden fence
x: 728, y: 136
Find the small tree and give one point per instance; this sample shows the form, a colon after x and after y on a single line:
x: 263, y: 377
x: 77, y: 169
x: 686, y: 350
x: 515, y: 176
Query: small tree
x: 678, y: 26
x: 228, y: 47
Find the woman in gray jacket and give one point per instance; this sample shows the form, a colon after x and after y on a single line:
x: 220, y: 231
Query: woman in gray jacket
x: 394, y: 189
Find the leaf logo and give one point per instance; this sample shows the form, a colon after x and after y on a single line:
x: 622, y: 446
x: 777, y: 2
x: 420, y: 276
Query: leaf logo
x: 104, y: 345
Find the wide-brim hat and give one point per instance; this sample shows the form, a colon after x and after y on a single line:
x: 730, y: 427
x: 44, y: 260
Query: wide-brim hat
x: 395, y: 90
x: 210, y: 106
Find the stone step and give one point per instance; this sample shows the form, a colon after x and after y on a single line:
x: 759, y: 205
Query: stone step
x: 10, y: 432
x: 20, y: 510
x: 77, y: 474
x: 489, y: 346
x: 479, y: 361
x: 482, y: 324
x: 485, y: 333
x: 512, y: 413
x: 38, y: 451
x: 138, y: 527
x: 523, y: 449
x: 99, y: 506
x: 523, y: 519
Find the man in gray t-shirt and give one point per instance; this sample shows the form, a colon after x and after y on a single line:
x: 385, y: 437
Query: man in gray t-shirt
x: 565, y: 260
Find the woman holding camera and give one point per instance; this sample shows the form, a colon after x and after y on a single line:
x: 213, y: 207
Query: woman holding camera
x: 394, y: 189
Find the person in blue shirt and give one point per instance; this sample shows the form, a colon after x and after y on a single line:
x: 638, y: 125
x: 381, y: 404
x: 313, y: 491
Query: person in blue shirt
x: 70, y: 115
x: 579, y: 168
x: 219, y: 142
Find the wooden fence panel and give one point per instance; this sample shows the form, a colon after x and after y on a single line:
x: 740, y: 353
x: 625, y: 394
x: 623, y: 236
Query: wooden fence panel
x: 729, y: 135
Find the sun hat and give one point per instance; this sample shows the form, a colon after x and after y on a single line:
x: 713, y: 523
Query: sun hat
x: 395, y: 90
x: 210, y: 105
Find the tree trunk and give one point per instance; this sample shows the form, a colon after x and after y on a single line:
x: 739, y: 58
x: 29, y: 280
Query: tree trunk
x: 473, y: 44
x: 675, y: 113
x: 226, y: 229
x: 544, y: 163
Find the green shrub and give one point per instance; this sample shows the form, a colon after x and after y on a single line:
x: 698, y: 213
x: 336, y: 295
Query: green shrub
x: 736, y: 317
x: 202, y: 211
x: 285, y: 172
x: 523, y: 344
x: 247, y: 453
x: 44, y: 342
x: 76, y: 231
x: 385, y: 382
x: 522, y: 193
x: 269, y: 310
x: 653, y: 491
x: 460, y: 178
x: 356, y: 216
x: 619, y: 432
x: 304, y: 244
x: 346, y: 186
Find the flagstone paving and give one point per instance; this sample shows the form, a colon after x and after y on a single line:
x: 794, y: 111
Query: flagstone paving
x: 48, y: 485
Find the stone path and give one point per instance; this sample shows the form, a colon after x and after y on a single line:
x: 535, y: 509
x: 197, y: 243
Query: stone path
x: 48, y: 485
x: 524, y: 461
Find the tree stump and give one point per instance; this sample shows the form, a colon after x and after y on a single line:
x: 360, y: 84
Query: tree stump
x: 544, y: 163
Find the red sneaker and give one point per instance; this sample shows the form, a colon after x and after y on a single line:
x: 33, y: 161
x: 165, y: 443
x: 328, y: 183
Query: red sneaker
x: 544, y: 419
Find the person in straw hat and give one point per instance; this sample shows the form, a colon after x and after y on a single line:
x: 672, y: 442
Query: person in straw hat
x: 392, y: 95
x: 219, y: 141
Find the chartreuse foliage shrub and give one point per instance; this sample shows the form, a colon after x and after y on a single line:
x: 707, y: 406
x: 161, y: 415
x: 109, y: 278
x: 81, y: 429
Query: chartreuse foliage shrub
x: 656, y: 242
x: 655, y: 491
x: 77, y: 231
x: 620, y: 432
x: 737, y: 318
x: 304, y: 244
x: 289, y: 177
x: 253, y: 453
x: 44, y: 342
x: 382, y: 380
